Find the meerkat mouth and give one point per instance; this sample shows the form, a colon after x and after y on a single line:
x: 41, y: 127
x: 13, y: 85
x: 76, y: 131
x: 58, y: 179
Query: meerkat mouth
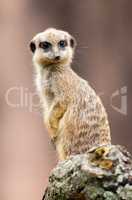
x: 51, y: 63
x: 54, y: 61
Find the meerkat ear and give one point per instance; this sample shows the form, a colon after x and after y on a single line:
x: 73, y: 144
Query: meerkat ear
x: 73, y: 42
x: 32, y: 46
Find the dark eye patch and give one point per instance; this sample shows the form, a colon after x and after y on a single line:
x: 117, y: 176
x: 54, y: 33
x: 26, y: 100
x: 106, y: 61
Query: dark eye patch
x: 45, y: 45
x: 32, y: 46
x: 62, y: 43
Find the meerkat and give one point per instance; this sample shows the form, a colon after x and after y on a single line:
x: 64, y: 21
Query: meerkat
x: 72, y: 112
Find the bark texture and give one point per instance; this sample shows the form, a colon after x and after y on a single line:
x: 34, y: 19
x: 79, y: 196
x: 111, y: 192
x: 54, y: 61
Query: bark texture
x: 105, y: 173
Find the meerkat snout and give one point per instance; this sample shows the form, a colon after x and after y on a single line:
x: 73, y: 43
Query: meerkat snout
x: 52, y: 47
x: 57, y: 58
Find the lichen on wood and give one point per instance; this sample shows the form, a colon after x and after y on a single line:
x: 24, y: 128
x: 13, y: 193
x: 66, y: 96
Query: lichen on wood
x: 104, y: 173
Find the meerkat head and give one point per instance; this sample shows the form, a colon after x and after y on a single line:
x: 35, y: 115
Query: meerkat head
x: 52, y: 47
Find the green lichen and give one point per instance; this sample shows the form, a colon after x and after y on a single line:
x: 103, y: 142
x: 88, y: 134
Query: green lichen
x: 125, y: 192
x: 110, y: 196
x: 77, y: 178
x: 93, y: 192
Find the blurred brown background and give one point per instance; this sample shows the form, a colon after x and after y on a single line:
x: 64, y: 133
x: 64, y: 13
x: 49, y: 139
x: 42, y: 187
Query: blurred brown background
x: 103, y: 30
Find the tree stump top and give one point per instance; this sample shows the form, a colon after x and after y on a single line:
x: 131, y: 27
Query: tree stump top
x: 104, y: 173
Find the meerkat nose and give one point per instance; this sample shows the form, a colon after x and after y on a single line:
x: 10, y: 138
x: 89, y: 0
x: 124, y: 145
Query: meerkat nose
x: 57, y: 57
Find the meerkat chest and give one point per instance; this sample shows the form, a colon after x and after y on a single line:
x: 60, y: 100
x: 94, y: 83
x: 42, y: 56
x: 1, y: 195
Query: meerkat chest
x: 52, y: 87
x: 47, y: 87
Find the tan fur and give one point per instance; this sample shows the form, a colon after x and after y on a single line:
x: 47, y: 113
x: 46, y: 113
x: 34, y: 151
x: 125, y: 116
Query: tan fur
x: 73, y: 113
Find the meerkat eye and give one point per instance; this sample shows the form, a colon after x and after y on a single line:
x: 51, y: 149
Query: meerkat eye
x: 63, y: 43
x: 45, y: 45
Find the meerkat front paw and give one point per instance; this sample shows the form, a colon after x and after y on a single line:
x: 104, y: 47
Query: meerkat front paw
x: 55, y: 115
